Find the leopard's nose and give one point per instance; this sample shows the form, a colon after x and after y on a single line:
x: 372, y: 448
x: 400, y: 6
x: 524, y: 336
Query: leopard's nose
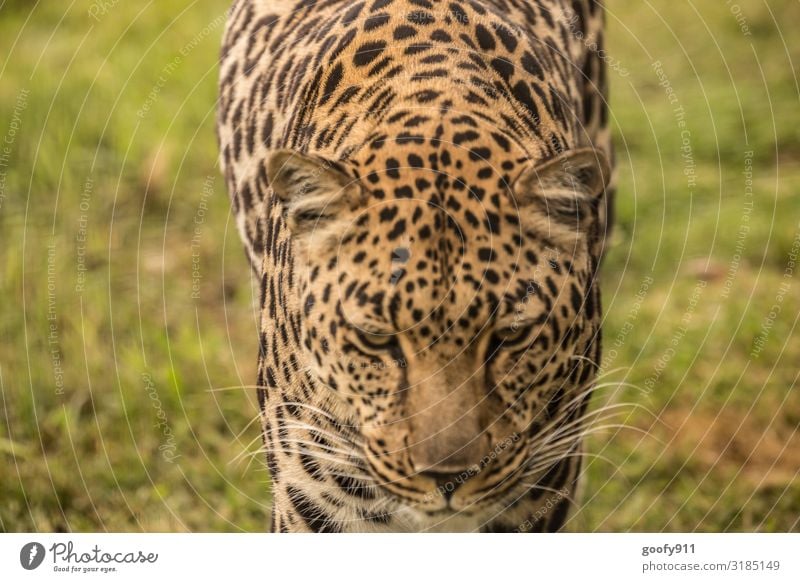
x: 451, y: 450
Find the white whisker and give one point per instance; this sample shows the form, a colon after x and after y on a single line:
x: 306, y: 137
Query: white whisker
x: 234, y: 387
x: 322, y: 432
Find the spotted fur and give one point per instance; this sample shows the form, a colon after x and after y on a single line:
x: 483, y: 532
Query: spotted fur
x: 422, y: 187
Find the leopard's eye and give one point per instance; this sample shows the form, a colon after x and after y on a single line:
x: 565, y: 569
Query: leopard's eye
x: 511, y: 336
x: 377, y: 341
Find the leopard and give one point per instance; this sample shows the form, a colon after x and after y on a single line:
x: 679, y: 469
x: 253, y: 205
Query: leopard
x: 424, y: 191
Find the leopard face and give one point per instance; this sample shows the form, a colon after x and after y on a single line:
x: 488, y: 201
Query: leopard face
x: 448, y: 302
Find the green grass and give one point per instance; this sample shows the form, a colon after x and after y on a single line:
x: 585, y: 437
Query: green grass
x: 147, y: 427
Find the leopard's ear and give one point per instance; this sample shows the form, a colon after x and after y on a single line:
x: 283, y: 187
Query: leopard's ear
x: 314, y: 191
x: 559, y: 198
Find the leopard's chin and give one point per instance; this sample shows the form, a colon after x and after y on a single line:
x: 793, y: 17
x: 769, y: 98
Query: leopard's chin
x: 451, y: 515
x: 445, y: 520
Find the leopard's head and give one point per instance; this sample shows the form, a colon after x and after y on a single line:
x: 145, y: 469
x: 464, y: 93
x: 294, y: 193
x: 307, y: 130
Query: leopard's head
x: 447, y: 299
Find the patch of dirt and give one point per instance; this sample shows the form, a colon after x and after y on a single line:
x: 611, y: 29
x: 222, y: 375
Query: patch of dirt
x: 768, y: 455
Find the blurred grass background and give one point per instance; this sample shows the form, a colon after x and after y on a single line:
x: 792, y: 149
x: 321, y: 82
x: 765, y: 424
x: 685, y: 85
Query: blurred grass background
x: 127, y: 328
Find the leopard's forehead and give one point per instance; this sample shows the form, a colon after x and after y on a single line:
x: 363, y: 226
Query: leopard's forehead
x: 441, y: 246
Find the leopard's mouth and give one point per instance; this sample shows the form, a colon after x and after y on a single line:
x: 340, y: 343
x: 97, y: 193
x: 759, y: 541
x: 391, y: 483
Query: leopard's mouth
x: 447, y: 494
